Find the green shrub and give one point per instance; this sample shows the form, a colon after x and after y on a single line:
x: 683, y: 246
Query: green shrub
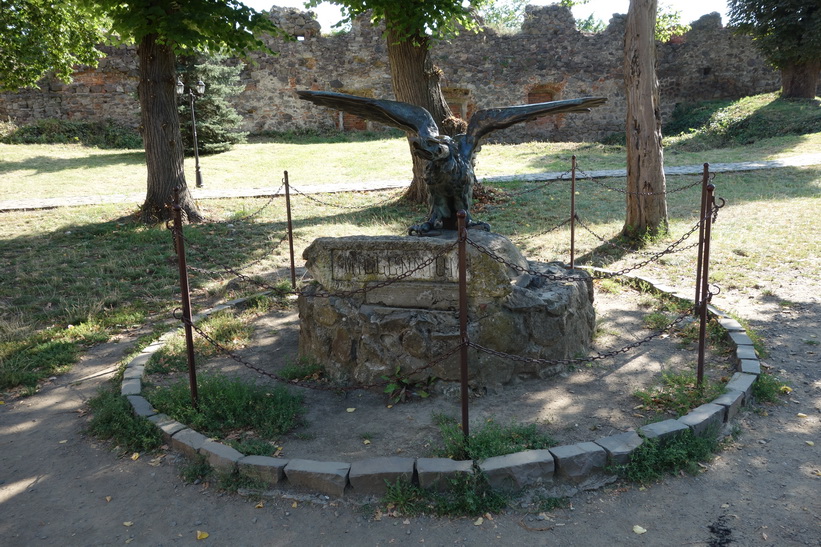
x: 654, y: 458
x: 490, y: 440
x: 102, y: 134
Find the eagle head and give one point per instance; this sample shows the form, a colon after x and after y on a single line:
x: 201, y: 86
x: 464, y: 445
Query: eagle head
x: 432, y: 148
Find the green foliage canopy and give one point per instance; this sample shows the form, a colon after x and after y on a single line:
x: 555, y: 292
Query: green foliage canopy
x: 228, y: 27
x: 39, y: 36
x: 786, y: 31
x: 409, y: 20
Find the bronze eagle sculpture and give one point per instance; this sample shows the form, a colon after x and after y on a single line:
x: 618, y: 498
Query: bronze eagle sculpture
x: 449, y: 172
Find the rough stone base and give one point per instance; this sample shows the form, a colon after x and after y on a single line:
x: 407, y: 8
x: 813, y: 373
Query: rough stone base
x: 361, y: 323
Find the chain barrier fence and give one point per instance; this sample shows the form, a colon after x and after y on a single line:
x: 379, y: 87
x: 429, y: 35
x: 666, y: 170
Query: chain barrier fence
x: 703, y: 293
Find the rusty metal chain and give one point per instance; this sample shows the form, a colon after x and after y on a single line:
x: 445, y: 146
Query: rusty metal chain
x: 253, y: 215
x: 623, y: 191
x: 229, y: 269
x: 347, y: 207
x: 308, y: 385
x: 540, y: 186
x: 595, y: 357
x: 553, y: 229
x: 632, y: 251
x: 516, y: 267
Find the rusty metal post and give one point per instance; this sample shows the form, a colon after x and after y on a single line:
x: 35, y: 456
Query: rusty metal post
x: 463, y: 318
x: 573, y: 213
x: 705, y: 291
x: 186, y: 298
x: 290, y: 228
x: 702, y: 219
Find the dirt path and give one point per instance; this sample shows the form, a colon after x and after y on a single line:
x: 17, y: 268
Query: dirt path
x: 763, y: 490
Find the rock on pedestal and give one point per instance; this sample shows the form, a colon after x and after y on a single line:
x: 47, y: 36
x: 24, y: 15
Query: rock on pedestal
x: 360, y: 323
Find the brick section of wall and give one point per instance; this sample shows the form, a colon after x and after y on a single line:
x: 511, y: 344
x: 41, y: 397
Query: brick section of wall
x: 547, y: 59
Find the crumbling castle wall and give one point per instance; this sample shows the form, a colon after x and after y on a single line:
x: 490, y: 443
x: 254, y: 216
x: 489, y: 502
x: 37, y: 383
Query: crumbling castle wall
x: 547, y: 60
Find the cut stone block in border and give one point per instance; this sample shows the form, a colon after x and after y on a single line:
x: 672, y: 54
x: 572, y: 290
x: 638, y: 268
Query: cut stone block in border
x: 732, y: 401
x: 219, y: 456
x: 701, y: 419
x: 620, y: 447
x: 325, y: 477
x: 141, y: 406
x: 370, y: 476
x: 264, y: 468
x: 155, y: 346
x: 167, y: 424
x: 663, y: 430
x: 133, y: 372
x: 435, y: 473
x: 139, y: 361
x: 745, y: 352
x: 188, y: 442
x: 744, y: 383
x: 576, y: 462
x: 730, y: 324
x: 740, y: 338
x: 131, y: 386
x: 750, y: 366
x: 519, y: 470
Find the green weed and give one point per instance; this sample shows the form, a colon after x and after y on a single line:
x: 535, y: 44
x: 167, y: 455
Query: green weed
x: 490, y: 440
x: 466, y: 495
x: 769, y: 389
x: 653, y: 459
x: 679, y: 393
x: 304, y: 369
x: 400, y: 388
x: 227, y: 404
x: 196, y: 470
x: 113, y: 420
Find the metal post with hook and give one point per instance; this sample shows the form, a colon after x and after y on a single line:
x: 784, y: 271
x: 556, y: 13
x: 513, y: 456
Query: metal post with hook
x: 290, y: 228
x: 463, y: 319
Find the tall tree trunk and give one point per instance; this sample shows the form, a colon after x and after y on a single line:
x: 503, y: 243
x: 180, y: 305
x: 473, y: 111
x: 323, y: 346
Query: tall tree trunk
x: 646, y: 214
x: 416, y: 81
x: 160, y: 127
x: 800, y: 81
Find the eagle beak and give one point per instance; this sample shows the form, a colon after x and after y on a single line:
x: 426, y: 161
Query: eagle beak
x: 429, y: 149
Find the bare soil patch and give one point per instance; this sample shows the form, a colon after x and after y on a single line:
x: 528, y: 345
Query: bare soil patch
x: 586, y: 402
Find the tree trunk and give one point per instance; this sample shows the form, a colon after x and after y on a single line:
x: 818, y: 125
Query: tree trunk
x: 646, y: 214
x: 800, y: 81
x: 160, y: 127
x: 416, y: 81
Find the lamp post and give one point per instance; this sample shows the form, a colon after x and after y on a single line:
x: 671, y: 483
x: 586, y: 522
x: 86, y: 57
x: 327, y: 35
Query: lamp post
x: 200, y: 89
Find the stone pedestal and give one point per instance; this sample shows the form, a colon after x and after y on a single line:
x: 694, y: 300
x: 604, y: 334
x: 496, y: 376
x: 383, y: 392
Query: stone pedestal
x: 361, y: 325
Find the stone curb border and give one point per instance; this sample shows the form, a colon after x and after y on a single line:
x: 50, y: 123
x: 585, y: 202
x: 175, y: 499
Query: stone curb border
x: 563, y: 470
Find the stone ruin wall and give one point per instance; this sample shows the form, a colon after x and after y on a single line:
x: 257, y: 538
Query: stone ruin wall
x: 547, y: 60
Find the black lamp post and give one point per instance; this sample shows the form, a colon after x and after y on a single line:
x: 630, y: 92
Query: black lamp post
x: 200, y: 89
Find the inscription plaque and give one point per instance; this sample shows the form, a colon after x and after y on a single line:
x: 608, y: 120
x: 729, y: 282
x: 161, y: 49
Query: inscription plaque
x: 379, y: 265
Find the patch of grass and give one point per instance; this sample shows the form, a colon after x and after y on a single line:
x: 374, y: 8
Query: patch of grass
x: 609, y: 286
x: 196, y: 470
x: 678, y: 393
x: 547, y: 503
x: 254, y: 446
x: 769, y: 389
x: 234, y: 482
x: 113, y: 420
x: 226, y: 328
x: 490, y: 440
x: 653, y: 459
x: 304, y: 369
x: 227, y: 404
x: 401, y: 388
x: 466, y: 495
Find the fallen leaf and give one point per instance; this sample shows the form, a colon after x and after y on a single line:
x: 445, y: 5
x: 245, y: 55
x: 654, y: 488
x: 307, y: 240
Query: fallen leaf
x: 479, y: 521
x: 135, y: 456
x: 639, y: 530
x: 390, y: 406
x: 406, y: 521
x: 786, y: 389
x: 810, y: 443
x: 637, y: 415
x: 764, y: 536
x: 2, y: 402
x: 260, y: 505
x: 366, y: 441
x: 801, y: 415
x: 351, y: 409
x: 63, y: 442
x: 201, y: 534
x: 108, y: 499
x: 725, y: 505
x: 129, y: 540
x: 128, y: 523
x: 294, y: 505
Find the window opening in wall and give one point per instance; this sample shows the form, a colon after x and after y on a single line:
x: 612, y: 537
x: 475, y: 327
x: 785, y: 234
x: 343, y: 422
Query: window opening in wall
x: 459, y: 102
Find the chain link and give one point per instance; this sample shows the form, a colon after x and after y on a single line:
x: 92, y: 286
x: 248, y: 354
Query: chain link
x: 553, y: 229
x: 623, y: 191
x: 348, y: 207
x: 628, y: 250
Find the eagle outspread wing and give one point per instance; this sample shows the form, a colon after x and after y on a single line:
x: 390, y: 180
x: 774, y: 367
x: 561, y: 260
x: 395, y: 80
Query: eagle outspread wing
x: 408, y: 117
x: 484, y: 121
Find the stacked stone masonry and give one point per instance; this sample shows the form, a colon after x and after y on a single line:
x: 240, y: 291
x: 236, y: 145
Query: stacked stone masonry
x: 547, y: 60
x: 561, y: 470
